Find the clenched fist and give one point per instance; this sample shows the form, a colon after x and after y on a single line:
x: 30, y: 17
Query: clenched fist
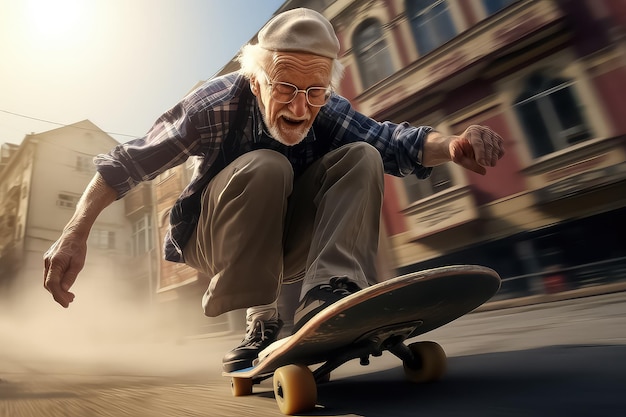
x: 476, y: 148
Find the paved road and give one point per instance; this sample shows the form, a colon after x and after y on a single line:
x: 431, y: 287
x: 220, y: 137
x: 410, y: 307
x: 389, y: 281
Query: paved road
x: 566, y: 358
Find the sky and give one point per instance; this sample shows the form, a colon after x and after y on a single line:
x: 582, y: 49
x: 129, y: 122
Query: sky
x: 118, y: 63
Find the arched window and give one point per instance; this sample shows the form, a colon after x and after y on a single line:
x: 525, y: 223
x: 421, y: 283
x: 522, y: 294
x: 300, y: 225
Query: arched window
x: 550, y: 113
x: 431, y: 23
x: 371, y: 53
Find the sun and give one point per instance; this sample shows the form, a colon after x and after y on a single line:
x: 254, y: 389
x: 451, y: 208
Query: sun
x: 56, y: 21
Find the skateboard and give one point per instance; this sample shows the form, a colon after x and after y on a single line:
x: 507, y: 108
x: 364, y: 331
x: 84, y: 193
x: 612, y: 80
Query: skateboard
x: 365, y: 324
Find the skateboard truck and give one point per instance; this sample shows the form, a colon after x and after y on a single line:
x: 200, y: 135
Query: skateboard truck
x: 373, y: 343
x: 404, y: 353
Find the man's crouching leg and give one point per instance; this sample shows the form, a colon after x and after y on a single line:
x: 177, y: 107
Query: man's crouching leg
x: 239, y: 243
x: 345, y: 190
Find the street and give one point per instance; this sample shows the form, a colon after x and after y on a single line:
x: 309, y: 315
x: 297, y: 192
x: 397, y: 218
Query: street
x: 566, y: 358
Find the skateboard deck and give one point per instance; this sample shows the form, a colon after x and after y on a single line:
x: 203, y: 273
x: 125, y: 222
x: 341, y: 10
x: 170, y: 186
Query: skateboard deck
x: 376, y: 319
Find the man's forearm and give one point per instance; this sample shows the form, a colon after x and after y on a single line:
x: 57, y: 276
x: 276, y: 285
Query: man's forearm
x: 436, y: 149
x: 97, y: 196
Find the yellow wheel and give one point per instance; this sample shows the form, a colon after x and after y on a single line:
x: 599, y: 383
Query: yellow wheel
x: 241, y: 386
x: 433, y: 362
x: 295, y: 389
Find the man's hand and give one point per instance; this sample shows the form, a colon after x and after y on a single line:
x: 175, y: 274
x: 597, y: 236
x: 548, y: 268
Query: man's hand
x: 62, y: 263
x: 478, y: 147
x: 66, y: 257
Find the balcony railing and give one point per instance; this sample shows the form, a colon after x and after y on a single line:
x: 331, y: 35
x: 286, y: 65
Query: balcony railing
x: 138, y: 200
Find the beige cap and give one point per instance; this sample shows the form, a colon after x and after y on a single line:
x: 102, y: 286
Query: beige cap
x: 300, y: 30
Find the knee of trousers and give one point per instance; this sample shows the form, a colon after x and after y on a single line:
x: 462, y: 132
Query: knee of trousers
x: 262, y: 170
x: 364, y: 161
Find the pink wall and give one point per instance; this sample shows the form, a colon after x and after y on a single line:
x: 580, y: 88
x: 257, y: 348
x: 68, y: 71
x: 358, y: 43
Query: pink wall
x: 612, y: 88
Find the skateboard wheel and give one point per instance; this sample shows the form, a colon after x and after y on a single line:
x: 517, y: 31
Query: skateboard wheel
x: 241, y: 386
x: 432, y: 359
x: 295, y: 389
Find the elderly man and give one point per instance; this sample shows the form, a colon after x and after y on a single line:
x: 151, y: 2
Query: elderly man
x: 288, y: 186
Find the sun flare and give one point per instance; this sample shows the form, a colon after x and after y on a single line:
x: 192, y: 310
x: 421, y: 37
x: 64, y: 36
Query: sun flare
x: 56, y: 21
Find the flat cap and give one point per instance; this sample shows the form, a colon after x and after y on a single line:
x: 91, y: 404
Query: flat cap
x: 300, y: 30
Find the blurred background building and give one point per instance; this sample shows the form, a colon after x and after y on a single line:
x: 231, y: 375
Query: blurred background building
x: 548, y: 75
x: 41, y: 181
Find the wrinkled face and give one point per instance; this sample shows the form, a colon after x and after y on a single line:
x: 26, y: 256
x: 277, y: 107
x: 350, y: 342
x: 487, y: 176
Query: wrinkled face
x: 289, y: 123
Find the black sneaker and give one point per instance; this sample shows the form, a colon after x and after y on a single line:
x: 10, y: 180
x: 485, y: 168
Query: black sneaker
x: 320, y: 297
x: 259, y: 335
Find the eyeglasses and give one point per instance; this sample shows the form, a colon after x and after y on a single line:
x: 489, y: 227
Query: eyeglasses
x: 286, y: 93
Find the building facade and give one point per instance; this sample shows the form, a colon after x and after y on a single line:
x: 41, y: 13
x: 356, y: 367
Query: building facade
x: 549, y: 76
x: 41, y: 181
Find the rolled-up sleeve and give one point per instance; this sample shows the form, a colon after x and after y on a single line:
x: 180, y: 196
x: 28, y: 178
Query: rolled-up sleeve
x: 170, y: 141
x: 400, y: 145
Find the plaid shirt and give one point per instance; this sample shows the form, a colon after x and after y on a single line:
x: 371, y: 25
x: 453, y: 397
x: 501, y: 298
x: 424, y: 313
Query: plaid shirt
x: 198, y: 125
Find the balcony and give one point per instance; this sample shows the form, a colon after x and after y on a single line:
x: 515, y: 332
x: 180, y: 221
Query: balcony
x: 444, y: 211
x: 138, y: 200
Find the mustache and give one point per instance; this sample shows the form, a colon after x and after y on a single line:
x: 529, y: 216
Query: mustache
x: 287, y: 114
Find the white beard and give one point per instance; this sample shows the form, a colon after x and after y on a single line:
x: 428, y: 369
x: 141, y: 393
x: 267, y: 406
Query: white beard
x: 275, y: 132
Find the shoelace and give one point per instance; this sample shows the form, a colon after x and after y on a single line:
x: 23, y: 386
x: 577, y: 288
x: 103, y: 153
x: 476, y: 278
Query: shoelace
x: 341, y: 286
x: 253, y: 331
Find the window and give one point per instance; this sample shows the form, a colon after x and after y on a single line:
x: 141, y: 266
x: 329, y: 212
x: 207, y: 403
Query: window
x: 142, y: 241
x: 67, y: 200
x: 438, y: 181
x: 371, y: 53
x: 493, y: 6
x: 431, y: 23
x: 101, y: 239
x: 84, y: 163
x: 550, y: 113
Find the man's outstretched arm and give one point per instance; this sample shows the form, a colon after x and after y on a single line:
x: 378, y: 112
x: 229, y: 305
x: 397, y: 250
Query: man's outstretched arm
x: 66, y: 257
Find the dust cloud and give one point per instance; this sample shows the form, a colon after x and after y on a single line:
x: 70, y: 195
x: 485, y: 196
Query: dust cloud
x: 105, y: 331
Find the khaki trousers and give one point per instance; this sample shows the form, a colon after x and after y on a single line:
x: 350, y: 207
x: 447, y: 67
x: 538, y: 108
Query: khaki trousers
x: 258, y: 229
